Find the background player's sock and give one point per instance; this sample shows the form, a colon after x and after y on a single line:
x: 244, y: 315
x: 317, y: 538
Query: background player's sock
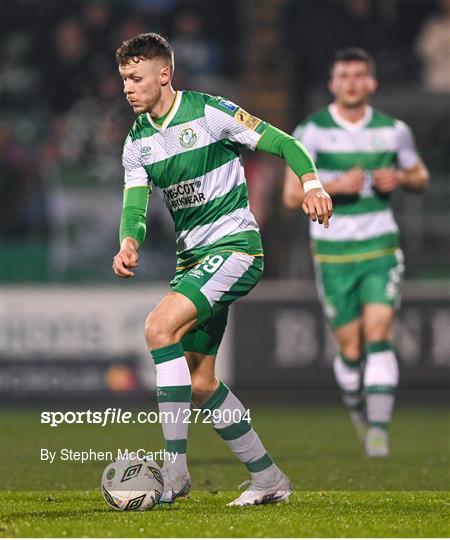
x: 380, y: 382
x: 226, y: 410
x: 173, y: 382
x: 349, y: 379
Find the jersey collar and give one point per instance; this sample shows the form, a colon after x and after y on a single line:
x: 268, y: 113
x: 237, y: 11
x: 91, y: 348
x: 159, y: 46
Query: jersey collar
x: 351, y: 126
x: 173, y: 111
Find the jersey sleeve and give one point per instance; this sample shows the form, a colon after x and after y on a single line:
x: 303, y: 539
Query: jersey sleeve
x: 407, y: 155
x: 226, y: 120
x: 135, y: 174
x: 304, y: 133
x: 135, y: 201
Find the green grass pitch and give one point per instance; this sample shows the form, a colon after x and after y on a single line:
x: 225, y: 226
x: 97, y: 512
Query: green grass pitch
x: 338, y: 491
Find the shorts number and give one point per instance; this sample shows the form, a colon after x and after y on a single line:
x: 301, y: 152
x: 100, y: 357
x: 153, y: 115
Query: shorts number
x: 212, y: 264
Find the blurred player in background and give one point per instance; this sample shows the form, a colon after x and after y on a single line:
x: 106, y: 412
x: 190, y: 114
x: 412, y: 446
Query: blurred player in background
x: 362, y: 156
x: 188, y: 145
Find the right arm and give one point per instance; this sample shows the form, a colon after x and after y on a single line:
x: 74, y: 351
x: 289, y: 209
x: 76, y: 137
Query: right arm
x: 132, y: 229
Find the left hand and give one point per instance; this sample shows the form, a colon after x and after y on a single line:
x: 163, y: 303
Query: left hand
x: 386, y: 180
x: 318, y: 206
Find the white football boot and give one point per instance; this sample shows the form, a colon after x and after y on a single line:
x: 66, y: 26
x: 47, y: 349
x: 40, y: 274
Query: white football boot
x: 256, y: 493
x: 377, y: 442
x: 176, y: 484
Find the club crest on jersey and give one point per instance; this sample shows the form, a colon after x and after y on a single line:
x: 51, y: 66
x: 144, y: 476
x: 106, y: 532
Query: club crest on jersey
x: 378, y: 142
x: 188, y: 137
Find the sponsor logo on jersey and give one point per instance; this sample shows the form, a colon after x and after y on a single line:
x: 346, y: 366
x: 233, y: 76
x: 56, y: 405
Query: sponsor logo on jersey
x: 197, y: 273
x: 184, y: 195
x: 146, y: 151
x: 187, y: 137
x: 247, y: 120
x: 228, y: 105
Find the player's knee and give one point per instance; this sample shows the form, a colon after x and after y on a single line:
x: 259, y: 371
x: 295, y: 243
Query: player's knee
x: 203, y: 382
x: 157, y: 333
x: 377, y: 329
x: 377, y: 323
x: 351, y: 349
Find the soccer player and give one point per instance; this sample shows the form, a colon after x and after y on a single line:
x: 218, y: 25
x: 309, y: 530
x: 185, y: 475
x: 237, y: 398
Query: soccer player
x: 188, y: 145
x: 362, y: 156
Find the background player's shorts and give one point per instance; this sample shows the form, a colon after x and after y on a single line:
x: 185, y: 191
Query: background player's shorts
x: 212, y: 285
x: 345, y: 288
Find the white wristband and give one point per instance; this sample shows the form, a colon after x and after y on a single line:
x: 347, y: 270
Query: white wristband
x: 312, y: 184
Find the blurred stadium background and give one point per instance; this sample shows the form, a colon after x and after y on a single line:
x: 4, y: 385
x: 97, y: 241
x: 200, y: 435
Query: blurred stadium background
x: 69, y: 328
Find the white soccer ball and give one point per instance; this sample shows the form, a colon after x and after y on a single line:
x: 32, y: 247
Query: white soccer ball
x: 135, y: 484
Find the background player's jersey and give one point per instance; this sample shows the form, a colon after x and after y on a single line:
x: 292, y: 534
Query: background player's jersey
x: 194, y: 158
x: 362, y: 226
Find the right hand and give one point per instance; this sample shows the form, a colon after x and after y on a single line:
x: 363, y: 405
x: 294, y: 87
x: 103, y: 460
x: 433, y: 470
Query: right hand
x: 349, y: 183
x: 128, y: 257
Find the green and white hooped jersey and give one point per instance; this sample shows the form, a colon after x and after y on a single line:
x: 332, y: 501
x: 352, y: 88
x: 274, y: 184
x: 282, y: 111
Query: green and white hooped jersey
x: 194, y: 159
x: 363, y: 225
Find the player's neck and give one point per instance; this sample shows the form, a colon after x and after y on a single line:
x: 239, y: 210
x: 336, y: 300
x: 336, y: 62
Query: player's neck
x: 164, y: 104
x: 351, y: 114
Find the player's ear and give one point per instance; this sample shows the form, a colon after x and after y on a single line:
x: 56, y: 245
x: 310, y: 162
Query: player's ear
x: 331, y: 87
x: 373, y: 85
x: 165, y: 75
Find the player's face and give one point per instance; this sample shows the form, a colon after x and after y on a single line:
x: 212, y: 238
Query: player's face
x: 142, y: 83
x: 351, y: 83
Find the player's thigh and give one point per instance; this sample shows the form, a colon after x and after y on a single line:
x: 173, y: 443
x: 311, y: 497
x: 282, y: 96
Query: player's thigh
x: 382, y: 279
x: 218, y: 280
x: 337, y: 287
x: 380, y: 295
x: 349, y: 339
x: 172, y: 318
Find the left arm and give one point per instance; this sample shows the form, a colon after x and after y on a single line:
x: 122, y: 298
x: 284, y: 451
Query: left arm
x: 227, y: 120
x: 293, y: 193
x: 411, y: 174
x: 316, y: 202
x: 414, y: 178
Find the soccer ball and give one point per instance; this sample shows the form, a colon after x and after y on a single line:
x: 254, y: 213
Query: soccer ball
x: 133, y: 484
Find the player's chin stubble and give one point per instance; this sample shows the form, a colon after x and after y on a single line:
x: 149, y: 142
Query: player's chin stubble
x: 348, y: 104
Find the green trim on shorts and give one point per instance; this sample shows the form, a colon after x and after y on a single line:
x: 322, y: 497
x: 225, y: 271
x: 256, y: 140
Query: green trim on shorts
x: 379, y: 346
x: 203, y: 307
